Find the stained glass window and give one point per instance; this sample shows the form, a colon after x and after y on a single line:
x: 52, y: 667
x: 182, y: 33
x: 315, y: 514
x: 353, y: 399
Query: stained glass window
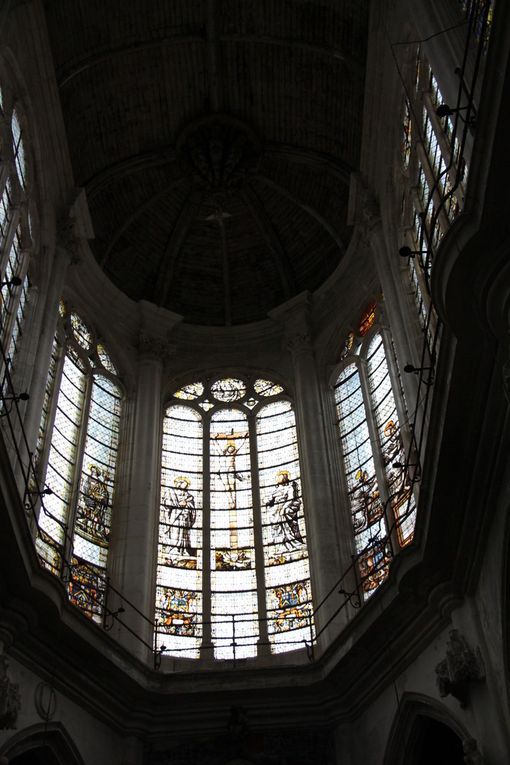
x: 373, y: 449
x: 15, y: 232
x: 76, y: 457
x: 433, y: 185
x: 231, y: 503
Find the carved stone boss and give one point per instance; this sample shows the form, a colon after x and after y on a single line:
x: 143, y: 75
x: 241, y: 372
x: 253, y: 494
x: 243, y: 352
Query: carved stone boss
x: 461, y: 667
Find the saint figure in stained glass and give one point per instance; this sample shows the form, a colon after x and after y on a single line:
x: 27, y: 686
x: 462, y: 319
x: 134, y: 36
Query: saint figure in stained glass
x: 286, y: 503
x: 366, y: 501
x: 93, y: 507
x: 181, y: 514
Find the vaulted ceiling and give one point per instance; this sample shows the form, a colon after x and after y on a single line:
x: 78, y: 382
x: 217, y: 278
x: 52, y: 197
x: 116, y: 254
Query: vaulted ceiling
x: 214, y: 139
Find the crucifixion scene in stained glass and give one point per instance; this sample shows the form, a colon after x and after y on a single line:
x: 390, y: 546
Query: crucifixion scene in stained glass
x: 233, y: 568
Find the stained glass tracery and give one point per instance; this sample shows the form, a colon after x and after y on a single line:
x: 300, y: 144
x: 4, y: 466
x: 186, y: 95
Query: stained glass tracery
x: 76, y: 459
x: 379, y: 488
x: 237, y: 459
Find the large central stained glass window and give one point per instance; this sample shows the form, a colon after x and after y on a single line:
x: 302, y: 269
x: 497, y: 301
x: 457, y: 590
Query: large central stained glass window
x: 233, y: 577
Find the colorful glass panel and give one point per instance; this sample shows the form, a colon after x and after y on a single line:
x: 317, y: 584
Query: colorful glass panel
x: 93, y: 512
x: 18, y: 148
x: 104, y: 358
x: 406, y: 136
x: 6, y: 209
x: 190, y: 392
x: 228, y: 390
x: 234, y: 605
x: 362, y: 484
x: 267, y: 388
x: 227, y: 436
x: 10, y: 293
x: 179, y: 572
x: 367, y: 320
x: 283, y: 528
x: 81, y: 332
x: 63, y: 454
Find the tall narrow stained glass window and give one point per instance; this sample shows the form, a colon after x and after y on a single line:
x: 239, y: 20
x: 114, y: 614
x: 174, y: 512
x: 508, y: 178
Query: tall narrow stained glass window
x: 16, y: 235
x: 434, y: 173
x: 76, y: 457
x: 233, y: 570
x: 371, y: 424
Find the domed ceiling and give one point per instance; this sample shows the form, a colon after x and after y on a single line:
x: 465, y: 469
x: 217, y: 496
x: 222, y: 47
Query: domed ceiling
x: 215, y: 139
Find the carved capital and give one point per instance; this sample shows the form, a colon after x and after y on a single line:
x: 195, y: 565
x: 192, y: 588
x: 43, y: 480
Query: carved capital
x: 154, y: 348
x: 10, y: 700
x: 298, y: 343
x: 459, y: 669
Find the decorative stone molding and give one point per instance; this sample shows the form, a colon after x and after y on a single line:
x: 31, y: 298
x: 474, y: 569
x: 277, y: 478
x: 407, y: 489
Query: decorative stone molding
x: 45, y: 700
x: 459, y: 669
x: 10, y: 699
x: 472, y: 755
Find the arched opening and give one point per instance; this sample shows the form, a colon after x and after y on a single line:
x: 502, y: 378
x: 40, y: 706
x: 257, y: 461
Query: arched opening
x: 41, y: 755
x: 435, y: 742
x: 41, y: 744
x: 424, y: 731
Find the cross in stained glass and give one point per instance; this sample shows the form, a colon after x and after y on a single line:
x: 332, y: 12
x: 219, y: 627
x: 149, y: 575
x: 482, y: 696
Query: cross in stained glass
x: 229, y: 445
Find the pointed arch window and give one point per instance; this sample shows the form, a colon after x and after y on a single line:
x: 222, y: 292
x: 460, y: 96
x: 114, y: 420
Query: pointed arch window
x: 76, y: 459
x: 233, y: 574
x: 371, y: 422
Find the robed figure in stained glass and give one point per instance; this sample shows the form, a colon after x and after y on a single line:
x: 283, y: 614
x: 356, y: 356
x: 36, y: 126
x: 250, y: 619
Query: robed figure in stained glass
x: 94, y: 505
x: 286, y: 503
x: 181, y: 515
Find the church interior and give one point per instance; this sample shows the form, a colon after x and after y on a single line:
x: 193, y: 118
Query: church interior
x: 255, y: 359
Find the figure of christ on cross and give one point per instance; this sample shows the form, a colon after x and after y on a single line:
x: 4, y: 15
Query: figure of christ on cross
x: 229, y: 445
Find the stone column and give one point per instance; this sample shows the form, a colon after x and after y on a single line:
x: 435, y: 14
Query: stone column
x: 135, y: 521
x: 322, y: 524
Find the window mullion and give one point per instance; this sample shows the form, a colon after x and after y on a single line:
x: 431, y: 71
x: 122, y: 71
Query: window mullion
x: 207, y: 645
x: 42, y: 459
x: 258, y: 541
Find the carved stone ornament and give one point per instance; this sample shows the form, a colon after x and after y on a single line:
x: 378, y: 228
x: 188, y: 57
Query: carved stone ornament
x: 300, y: 342
x: 472, y: 755
x: 150, y: 347
x: 68, y: 239
x: 221, y: 151
x: 10, y: 700
x: 459, y: 669
x: 364, y: 207
x: 45, y: 700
